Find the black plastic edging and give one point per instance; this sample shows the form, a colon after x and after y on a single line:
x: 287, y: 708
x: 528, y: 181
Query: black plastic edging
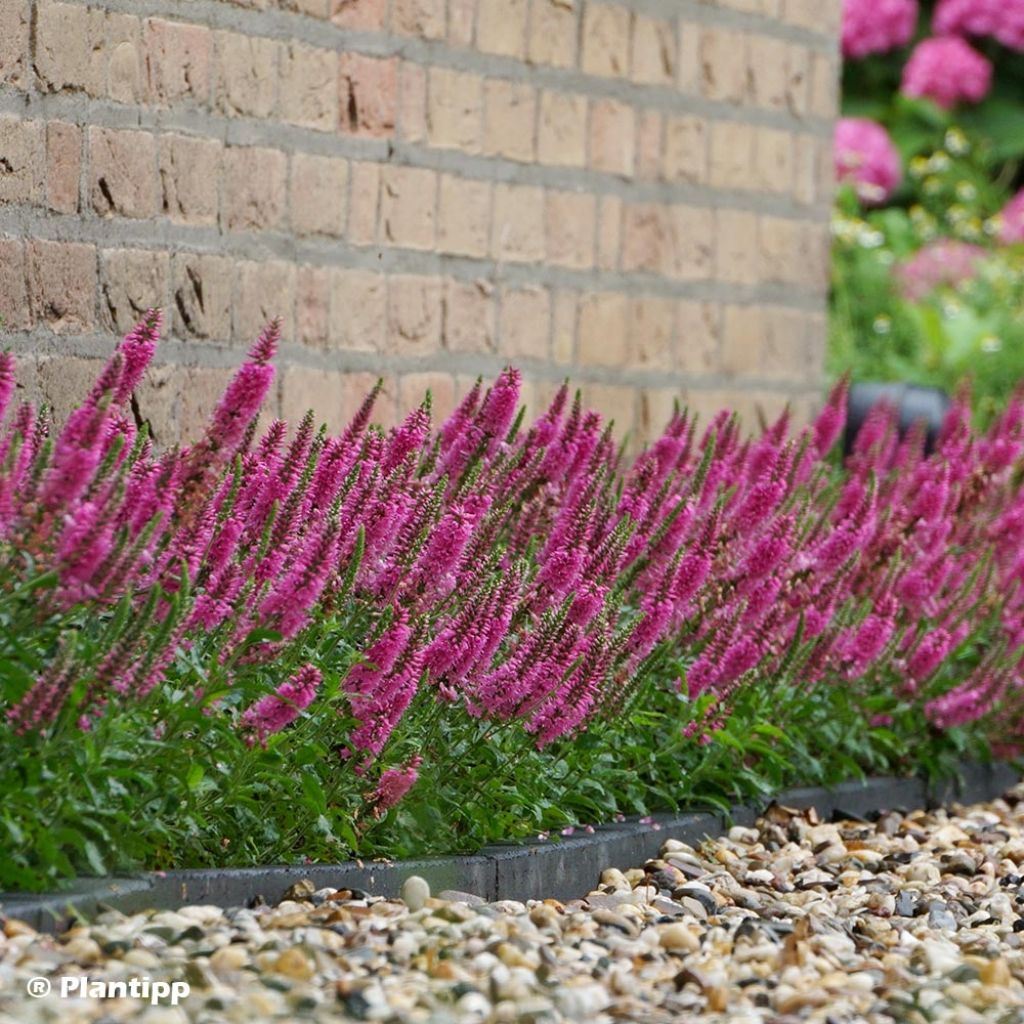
x: 562, y: 869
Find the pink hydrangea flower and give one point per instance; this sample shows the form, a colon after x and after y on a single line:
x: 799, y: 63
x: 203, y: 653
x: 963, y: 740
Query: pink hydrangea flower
x: 866, y: 157
x: 877, y: 26
x: 1003, y: 19
x: 943, y: 262
x: 946, y: 69
x: 1011, y: 228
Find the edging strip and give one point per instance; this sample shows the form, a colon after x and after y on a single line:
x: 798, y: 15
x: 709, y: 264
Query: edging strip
x: 527, y: 870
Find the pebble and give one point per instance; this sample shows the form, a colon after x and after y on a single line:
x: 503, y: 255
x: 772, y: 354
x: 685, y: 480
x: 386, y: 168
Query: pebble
x: 913, y: 918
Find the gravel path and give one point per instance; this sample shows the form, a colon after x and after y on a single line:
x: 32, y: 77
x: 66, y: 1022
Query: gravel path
x: 913, y: 919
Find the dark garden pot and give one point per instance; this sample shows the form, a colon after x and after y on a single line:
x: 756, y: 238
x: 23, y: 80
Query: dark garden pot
x: 911, y: 401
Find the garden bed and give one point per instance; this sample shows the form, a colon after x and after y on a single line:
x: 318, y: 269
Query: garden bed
x: 562, y: 869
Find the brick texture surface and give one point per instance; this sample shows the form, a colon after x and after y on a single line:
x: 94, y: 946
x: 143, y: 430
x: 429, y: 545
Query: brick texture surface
x: 633, y: 193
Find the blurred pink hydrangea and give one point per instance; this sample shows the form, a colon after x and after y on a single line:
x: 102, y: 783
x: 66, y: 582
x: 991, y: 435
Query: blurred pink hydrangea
x: 866, y: 157
x: 946, y: 69
x: 1011, y: 228
x: 1003, y: 19
x: 877, y: 26
x: 942, y: 262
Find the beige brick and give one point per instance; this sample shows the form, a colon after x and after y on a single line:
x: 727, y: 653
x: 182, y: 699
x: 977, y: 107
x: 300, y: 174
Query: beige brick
x: 657, y: 407
x: 736, y: 260
x: 688, y: 59
x: 723, y: 62
x: 618, y: 405
x: 202, y: 292
x: 308, y: 86
x: 69, y: 48
x: 408, y: 199
x: 454, y: 109
x: 469, y: 321
x: 612, y: 137
x: 199, y: 390
x: 571, y: 224
x: 122, y: 173
x: 254, y: 188
x: 742, y: 340
x: 798, y: 80
x: 125, y: 70
x: 510, y: 114
x: 649, y: 145
x: 412, y: 102
x: 826, y: 171
x: 413, y: 389
x: 319, y: 194
x: 414, y: 315
x: 731, y: 155
x: 314, y: 8
x: 464, y: 216
x: 605, y: 40
x: 785, y: 351
x: 563, y: 327
x: 358, y: 310
x: 774, y: 156
x: 22, y: 160
x: 501, y: 27
x: 814, y: 15
x: 609, y: 233
x: 190, y: 178
x: 654, y: 51
x: 312, y: 305
x: 805, y: 169
x: 525, y: 327
x: 62, y: 285
x: 158, y: 399
x: 651, y: 332
x: 695, y: 233
x: 461, y: 22
x: 824, y: 87
x: 178, y: 58
x: 15, y: 314
x: 648, y: 239
x: 780, y: 241
x: 424, y: 18
x: 699, y: 334
x: 305, y: 388
x: 365, y: 203
x: 368, y: 94
x: 603, y: 334
x: 562, y: 130
x: 768, y: 72
x: 686, y: 150
x: 246, y: 74
x: 263, y: 291
x: 14, y: 36
x: 517, y: 233
x: 132, y: 281
x: 366, y: 15
x: 552, y: 33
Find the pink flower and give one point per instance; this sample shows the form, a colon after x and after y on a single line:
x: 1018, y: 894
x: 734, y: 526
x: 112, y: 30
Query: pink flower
x: 280, y: 708
x: 929, y: 655
x: 939, y: 263
x: 877, y: 26
x: 1011, y: 221
x: 393, y: 785
x: 947, y: 70
x: 6, y: 381
x: 866, y: 157
x: 1003, y: 19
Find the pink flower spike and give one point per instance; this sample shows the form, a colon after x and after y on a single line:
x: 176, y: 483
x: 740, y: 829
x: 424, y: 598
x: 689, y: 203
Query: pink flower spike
x: 279, y: 709
x: 393, y: 785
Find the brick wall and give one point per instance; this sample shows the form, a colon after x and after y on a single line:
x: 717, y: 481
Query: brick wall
x: 633, y: 193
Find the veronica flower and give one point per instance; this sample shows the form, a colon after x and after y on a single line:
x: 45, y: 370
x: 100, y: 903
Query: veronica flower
x: 279, y: 709
x: 393, y: 786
